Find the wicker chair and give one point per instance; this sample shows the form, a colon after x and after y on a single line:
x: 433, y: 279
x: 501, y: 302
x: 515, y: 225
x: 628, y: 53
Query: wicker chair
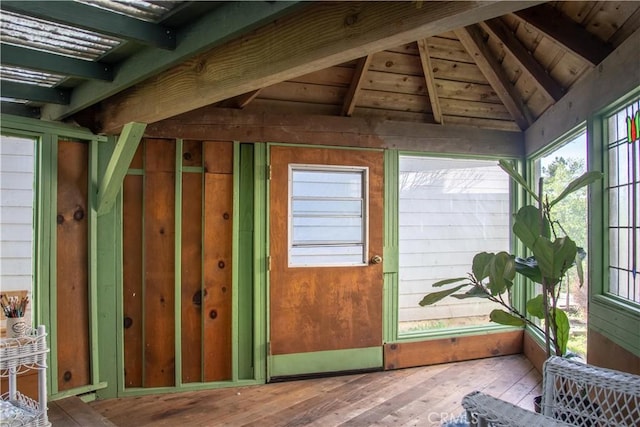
x: 574, y: 394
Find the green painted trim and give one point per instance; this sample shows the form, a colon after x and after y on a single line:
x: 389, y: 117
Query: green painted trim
x: 235, y: 234
x: 78, y: 390
x: 262, y: 205
x: 260, y: 285
x: 94, y: 336
x: 56, y: 64
x: 35, y: 93
x: 177, y: 262
x: 429, y: 335
x: 326, y: 361
x: 193, y: 169
x: 53, y: 262
x: 18, y: 123
x: 123, y: 153
x: 108, y: 241
x: 138, y: 172
x: 391, y: 250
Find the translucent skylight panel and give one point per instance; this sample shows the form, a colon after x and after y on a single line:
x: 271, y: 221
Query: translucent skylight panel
x: 23, y: 75
x: 54, y: 38
x: 151, y: 11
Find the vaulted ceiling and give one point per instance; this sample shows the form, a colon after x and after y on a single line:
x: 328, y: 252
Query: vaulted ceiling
x: 497, y: 65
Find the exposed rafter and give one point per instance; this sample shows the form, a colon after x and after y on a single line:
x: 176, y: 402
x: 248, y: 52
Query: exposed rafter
x: 427, y: 68
x: 356, y: 82
x: 33, y: 92
x: 19, y: 110
x: 548, y: 20
x: 499, y: 30
x: 217, y: 27
x: 243, y: 100
x: 51, y: 63
x: 102, y: 21
x: 323, y: 37
x: 472, y: 40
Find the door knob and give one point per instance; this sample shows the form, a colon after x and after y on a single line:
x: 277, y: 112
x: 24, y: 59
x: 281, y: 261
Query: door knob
x: 376, y: 259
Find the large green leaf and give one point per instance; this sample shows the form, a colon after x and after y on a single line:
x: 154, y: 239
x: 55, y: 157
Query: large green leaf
x: 528, y: 267
x: 474, y: 292
x: 448, y: 281
x: 527, y: 226
x: 535, y: 306
x: 582, y: 181
x: 562, y: 329
x: 508, y: 168
x: 504, y: 318
x: 554, y: 259
x: 434, y: 297
x: 501, y: 273
x: 480, y: 266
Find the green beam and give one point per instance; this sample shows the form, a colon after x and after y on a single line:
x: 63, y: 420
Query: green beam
x: 98, y: 20
x: 34, y: 93
x: 225, y: 23
x: 52, y: 63
x: 19, y: 109
x: 118, y: 164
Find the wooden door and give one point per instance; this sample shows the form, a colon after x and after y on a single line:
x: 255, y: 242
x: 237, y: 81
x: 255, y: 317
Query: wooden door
x: 324, y: 318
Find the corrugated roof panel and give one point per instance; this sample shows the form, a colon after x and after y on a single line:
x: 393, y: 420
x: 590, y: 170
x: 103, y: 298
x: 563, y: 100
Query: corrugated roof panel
x: 23, y: 75
x: 14, y: 100
x: 151, y: 11
x: 50, y: 37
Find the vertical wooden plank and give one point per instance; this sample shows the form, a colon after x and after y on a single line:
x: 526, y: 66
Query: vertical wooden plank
x: 217, y: 301
x: 192, y: 153
x: 159, y: 244
x: 191, y: 277
x: 72, y: 275
x: 132, y: 277
x: 218, y: 157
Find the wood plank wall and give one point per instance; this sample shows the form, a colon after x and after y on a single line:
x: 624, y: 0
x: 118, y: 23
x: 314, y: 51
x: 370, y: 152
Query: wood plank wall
x: 72, y: 266
x: 149, y: 246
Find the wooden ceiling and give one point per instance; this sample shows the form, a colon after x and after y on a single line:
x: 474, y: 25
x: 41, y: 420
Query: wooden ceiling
x: 492, y: 65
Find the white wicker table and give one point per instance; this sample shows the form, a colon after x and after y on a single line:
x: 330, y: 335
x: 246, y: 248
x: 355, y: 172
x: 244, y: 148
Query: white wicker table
x: 19, y: 355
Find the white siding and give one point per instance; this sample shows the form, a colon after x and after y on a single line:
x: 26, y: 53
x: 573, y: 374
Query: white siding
x: 16, y: 213
x: 449, y: 211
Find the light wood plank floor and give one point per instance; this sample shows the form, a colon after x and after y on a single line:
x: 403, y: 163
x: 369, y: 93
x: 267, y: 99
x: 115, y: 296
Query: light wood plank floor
x: 407, y: 397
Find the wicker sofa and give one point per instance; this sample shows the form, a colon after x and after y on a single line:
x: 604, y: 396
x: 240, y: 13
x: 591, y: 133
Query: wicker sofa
x: 574, y: 394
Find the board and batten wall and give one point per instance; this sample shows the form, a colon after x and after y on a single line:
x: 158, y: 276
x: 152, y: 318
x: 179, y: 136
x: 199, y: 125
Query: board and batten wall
x: 16, y: 213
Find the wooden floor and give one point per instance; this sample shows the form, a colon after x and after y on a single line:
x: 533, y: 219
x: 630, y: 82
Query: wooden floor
x: 408, y: 397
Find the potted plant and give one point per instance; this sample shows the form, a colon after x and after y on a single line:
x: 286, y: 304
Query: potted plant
x: 552, y: 254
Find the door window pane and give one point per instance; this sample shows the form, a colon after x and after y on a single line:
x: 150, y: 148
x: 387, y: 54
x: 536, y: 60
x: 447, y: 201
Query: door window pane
x: 327, y: 216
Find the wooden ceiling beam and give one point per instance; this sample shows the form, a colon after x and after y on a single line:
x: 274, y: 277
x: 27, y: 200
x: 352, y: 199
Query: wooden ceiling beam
x: 427, y: 68
x: 497, y: 28
x: 326, y: 34
x: 34, y: 93
x: 356, y: 82
x: 473, y: 42
x: 226, y: 22
x: 567, y: 33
